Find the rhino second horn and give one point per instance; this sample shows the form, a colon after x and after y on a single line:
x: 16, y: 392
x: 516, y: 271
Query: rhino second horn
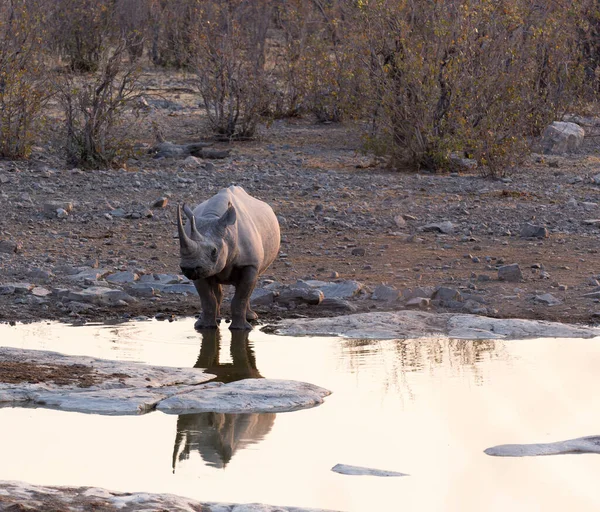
x: 184, y: 240
x: 190, y: 215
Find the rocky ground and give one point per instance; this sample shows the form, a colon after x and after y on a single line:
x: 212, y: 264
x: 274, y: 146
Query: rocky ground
x: 82, y: 245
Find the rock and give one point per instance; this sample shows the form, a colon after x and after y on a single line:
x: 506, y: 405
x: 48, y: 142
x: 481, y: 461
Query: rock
x: 358, y: 251
x: 192, y: 161
x: 161, y: 202
x: 16, y: 494
x: 548, y: 299
x: 420, y: 292
x: 420, y: 324
x: 459, y: 163
x: 341, y: 290
x: 592, y: 222
x: 7, y: 289
x: 385, y: 293
x: 247, y: 396
x: 19, y: 288
x: 122, y: 277
x: 589, y: 444
x: 51, y: 208
x: 39, y: 291
x: 88, y: 274
x: 338, y: 305
x: 39, y: 274
x: 300, y: 294
x: 100, y: 295
x: 213, y: 154
x: 399, y: 221
x: 445, y: 227
x: 510, y: 273
x: 562, y: 137
x: 345, y: 469
x: 533, y: 231
x: 180, y: 289
x: 161, y: 279
x: 418, y: 302
x: 118, y: 212
x: 10, y: 247
x: 144, y: 289
x: 445, y: 295
x: 262, y: 297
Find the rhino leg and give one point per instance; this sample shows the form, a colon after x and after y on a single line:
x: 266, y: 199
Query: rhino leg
x: 240, y: 305
x: 210, y: 306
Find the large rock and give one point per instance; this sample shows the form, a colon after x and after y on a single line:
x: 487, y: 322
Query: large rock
x: 122, y: 277
x: 248, y: 396
x: 534, y: 231
x: 385, y: 293
x: 420, y: 324
x: 300, y: 294
x: 10, y: 247
x: 561, y: 137
x: 335, y: 290
x: 21, y: 496
x: 445, y: 227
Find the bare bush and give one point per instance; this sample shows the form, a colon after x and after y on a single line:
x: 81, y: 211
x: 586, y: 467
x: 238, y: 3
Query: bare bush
x: 230, y: 65
x: 94, y: 108
x: 24, y: 88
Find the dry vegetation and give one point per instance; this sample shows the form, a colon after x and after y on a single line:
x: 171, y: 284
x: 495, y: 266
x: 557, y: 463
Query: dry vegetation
x: 421, y: 80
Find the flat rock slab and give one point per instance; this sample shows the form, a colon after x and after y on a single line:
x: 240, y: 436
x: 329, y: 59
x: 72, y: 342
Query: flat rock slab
x: 13, y: 496
x: 590, y: 444
x: 248, y: 395
x: 419, y: 324
x: 345, y: 469
x: 122, y: 388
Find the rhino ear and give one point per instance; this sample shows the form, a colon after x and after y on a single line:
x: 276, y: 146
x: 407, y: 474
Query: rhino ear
x: 228, y: 218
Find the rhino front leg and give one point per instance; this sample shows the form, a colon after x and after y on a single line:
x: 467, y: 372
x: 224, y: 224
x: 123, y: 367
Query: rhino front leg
x: 240, y: 305
x: 210, y: 306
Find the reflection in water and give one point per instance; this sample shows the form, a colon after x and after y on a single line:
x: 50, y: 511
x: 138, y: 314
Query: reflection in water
x: 217, y: 436
x: 418, y: 356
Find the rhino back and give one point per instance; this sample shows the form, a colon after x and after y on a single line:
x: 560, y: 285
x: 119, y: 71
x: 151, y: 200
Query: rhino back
x: 256, y: 230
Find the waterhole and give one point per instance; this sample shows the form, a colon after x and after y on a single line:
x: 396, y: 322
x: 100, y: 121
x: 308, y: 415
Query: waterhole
x: 427, y: 408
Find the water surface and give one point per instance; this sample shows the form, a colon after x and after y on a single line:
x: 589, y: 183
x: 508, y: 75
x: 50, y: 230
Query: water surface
x: 423, y: 407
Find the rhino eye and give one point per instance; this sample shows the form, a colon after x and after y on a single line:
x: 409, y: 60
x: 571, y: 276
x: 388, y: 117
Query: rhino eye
x: 213, y: 254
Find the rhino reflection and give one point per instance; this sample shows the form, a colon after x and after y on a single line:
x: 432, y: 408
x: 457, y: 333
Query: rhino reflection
x: 217, y: 436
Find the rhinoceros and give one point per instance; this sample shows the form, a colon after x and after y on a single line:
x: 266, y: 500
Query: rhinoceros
x: 230, y: 238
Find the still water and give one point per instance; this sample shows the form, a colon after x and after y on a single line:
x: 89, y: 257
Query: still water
x: 423, y: 407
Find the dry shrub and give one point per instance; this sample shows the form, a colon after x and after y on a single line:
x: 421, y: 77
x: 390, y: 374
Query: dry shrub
x: 81, y: 30
x: 475, y: 76
x: 95, y: 107
x: 23, y: 85
x: 230, y: 65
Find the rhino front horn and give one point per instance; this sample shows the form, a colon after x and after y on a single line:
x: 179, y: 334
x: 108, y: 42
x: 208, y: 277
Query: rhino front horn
x: 184, y: 240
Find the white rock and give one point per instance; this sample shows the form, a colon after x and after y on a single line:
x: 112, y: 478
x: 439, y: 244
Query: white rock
x: 561, y: 137
x: 420, y: 324
x: 345, y: 469
x: 248, y: 395
x: 589, y: 444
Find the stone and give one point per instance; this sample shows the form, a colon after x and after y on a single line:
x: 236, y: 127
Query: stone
x: 40, y: 291
x: 21, y: 496
x: 511, y: 273
x: 161, y: 202
x: 100, y: 296
x: 345, y: 469
x: 51, y: 208
x: 562, y: 137
x: 39, y: 274
x: 180, y: 289
x: 340, y: 305
x: 445, y: 227
x: 300, y: 294
x: 118, y: 212
x: 340, y: 290
x: 533, y: 231
x: 421, y: 324
x: 144, y: 289
x: 20, y: 288
x: 10, y: 247
x: 122, y: 277
x: 7, y: 289
x: 86, y: 273
x: 262, y: 297
x: 399, y: 221
x: 420, y: 292
x: 445, y: 295
x: 247, y: 396
x: 590, y: 444
x: 548, y: 299
x: 358, y: 251
x: 418, y: 302
x: 592, y: 222
x: 385, y: 293
x: 192, y: 161
x: 161, y: 279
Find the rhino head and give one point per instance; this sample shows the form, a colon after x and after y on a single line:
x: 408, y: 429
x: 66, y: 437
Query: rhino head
x: 204, y: 252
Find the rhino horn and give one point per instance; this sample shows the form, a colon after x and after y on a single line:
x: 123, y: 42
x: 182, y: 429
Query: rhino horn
x: 190, y: 215
x: 185, y: 241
